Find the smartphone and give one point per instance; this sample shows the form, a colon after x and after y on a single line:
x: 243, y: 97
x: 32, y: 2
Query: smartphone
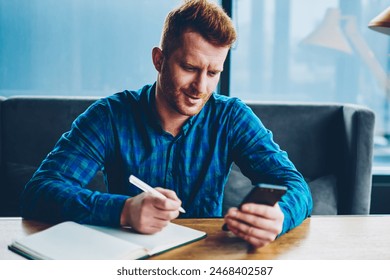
x: 263, y: 194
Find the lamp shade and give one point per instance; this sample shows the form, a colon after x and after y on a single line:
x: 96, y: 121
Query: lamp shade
x: 329, y: 34
x: 381, y: 22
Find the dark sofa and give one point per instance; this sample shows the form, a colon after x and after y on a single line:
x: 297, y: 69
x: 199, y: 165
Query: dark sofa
x: 330, y: 144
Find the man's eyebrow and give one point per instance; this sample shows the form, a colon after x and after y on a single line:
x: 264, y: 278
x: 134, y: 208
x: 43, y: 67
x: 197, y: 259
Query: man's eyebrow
x: 216, y: 70
x: 192, y: 65
x: 188, y: 63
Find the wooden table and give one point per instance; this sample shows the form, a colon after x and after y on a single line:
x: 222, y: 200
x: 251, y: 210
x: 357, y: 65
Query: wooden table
x: 318, y: 238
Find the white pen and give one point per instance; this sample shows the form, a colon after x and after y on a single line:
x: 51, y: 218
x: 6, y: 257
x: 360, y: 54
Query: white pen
x: 146, y: 188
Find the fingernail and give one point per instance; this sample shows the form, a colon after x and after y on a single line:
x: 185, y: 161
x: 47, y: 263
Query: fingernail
x: 246, y: 207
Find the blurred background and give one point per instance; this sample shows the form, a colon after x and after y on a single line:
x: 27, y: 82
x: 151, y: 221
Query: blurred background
x: 287, y: 50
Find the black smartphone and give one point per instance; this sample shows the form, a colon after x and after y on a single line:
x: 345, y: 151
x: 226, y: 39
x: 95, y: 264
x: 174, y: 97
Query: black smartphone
x: 263, y: 194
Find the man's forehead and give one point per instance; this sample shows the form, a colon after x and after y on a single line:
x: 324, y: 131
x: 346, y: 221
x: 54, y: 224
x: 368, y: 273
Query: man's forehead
x: 194, y: 48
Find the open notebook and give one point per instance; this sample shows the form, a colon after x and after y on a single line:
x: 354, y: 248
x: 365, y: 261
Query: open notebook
x: 72, y: 241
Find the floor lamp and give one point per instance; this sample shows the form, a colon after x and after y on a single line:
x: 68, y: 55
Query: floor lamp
x: 329, y: 34
x: 349, y: 40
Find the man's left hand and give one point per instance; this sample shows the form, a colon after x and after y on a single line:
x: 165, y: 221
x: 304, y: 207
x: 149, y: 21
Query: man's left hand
x: 257, y: 224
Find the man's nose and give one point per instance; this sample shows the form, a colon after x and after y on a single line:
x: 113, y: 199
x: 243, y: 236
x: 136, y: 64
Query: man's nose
x: 200, y: 83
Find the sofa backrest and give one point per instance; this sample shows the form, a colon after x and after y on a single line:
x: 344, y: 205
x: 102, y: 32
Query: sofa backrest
x: 2, y: 98
x: 309, y: 133
x: 330, y: 144
x: 327, y: 143
x: 30, y: 128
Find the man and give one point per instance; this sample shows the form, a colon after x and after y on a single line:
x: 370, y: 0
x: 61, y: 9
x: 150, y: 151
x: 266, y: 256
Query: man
x: 176, y: 134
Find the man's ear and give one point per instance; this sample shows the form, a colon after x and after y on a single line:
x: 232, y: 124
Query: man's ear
x: 157, y: 57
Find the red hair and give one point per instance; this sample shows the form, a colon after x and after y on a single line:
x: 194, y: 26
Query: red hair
x: 206, y: 18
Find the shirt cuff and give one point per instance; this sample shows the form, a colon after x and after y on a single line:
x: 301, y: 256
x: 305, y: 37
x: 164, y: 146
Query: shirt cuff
x: 107, y: 209
x: 287, y: 222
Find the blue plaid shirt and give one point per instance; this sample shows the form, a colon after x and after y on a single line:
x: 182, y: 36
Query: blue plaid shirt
x: 121, y: 135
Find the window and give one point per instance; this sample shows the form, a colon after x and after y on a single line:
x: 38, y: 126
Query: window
x: 98, y: 47
x: 277, y: 58
x: 72, y: 47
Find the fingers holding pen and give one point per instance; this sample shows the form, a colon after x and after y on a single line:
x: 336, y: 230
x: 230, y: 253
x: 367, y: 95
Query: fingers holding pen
x: 150, y: 213
x: 171, y: 201
x: 165, y: 208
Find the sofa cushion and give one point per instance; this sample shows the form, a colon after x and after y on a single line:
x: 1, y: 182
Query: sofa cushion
x: 323, y: 189
x: 324, y: 193
x: 236, y: 188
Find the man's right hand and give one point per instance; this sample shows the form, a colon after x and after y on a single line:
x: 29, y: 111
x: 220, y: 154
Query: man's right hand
x: 148, y: 214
